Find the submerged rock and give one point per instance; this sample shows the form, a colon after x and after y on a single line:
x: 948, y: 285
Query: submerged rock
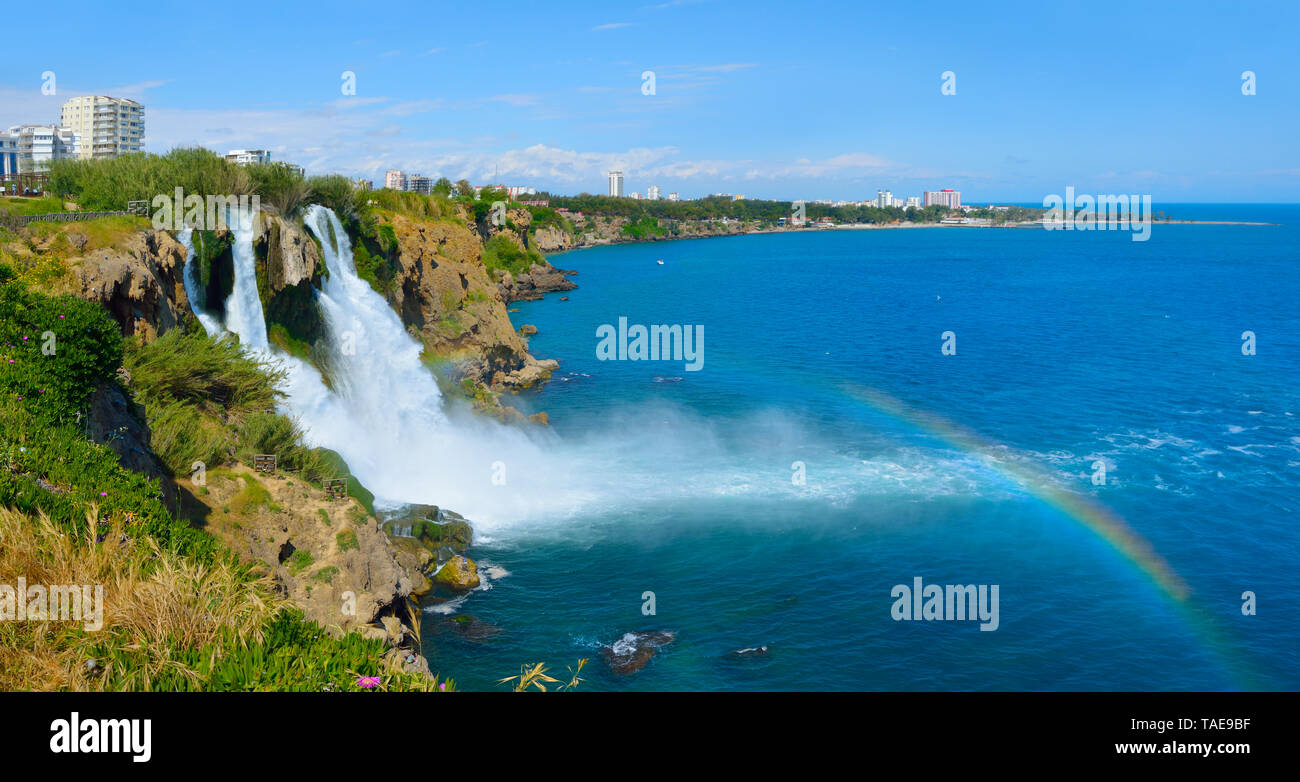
x: 460, y: 574
x: 630, y: 653
x: 751, y: 651
x: 471, y: 628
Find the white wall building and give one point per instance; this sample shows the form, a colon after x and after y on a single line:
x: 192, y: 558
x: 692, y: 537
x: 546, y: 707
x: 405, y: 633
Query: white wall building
x: 246, y: 157
x: 913, y: 201
x: 37, y: 145
x: 108, y: 127
x: 8, y: 153
x: 395, y: 180
x: 652, y: 193
x: 948, y: 198
x: 616, y: 184
x: 674, y: 197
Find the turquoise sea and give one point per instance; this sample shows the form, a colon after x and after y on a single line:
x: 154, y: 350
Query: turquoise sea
x: 824, y: 348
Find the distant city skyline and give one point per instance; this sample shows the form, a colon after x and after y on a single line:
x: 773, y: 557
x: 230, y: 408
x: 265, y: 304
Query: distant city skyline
x: 700, y: 97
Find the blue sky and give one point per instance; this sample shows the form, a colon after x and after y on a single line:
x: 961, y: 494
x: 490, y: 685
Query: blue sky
x: 780, y: 99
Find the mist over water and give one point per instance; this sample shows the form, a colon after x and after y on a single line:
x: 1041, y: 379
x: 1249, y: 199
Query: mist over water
x: 383, y: 412
x: 685, y: 488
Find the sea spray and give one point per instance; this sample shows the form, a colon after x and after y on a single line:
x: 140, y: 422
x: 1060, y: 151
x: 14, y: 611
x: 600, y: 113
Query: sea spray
x: 383, y: 412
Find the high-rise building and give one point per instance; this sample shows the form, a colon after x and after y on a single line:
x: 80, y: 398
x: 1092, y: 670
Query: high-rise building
x: 36, y: 145
x: 395, y: 180
x: 652, y: 193
x: 884, y: 199
x: 674, y: 197
x: 246, y: 157
x: 420, y: 184
x: 363, y: 184
x: 948, y: 198
x: 616, y: 184
x: 913, y: 201
x: 108, y: 127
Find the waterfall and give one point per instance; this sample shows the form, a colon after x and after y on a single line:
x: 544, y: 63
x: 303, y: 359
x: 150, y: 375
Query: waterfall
x: 190, y: 276
x: 243, y: 306
x: 394, y: 430
x: 383, y: 412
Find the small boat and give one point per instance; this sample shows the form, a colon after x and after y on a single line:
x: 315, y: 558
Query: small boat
x: 660, y: 261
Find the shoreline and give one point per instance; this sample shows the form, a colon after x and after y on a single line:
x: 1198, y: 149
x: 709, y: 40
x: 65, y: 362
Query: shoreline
x: 876, y: 227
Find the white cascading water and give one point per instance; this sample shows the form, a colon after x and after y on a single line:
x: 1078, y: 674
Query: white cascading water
x: 383, y: 412
x: 397, y: 437
x: 190, y: 276
x: 243, y: 306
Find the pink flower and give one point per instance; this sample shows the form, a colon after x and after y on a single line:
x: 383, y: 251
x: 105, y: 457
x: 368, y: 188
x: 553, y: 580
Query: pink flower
x: 442, y: 687
x: 367, y: 682
x: 103, y: 494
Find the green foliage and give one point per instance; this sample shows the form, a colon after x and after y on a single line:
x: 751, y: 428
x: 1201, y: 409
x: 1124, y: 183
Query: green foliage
x: 282, y: 188
x: 337, y: 192
x: 501, y: 252
x: 107, y: 184
x: 53, y: 468
x: 54, y: 351
x: 207, y: 400
x: 643, y: 228
x: 300, y: 561
x: 347, y: 540
x: 334, y: 466
x: 31, y: 206
x: 294, y: 655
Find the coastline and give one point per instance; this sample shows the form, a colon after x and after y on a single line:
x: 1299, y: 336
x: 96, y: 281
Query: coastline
x: 860, y: 227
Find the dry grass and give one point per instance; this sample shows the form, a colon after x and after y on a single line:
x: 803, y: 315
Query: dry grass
x: 155, y: 605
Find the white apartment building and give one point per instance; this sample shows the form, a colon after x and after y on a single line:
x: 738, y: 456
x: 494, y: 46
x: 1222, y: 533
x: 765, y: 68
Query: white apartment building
x: 395, y: 180
x: 36, y: 145
x: 8, y: 153
x: 246, y: 157
x: 652, y: 193
x: 616, y: 184
x: 108, y: 127
x: 674, y: 197
x: 913, y: 201
x: 948, y: 198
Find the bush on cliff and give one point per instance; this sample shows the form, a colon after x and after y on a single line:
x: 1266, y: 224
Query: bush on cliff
x: 107, y: 184
x: 500, y: 252
x: 208, y: 400
x: 179, y: 611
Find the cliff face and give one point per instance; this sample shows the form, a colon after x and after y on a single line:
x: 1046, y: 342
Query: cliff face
x: 291, y: 255
x: 591, y: 231
x: 447, y: 297
x: 139, y: 282
x: 328, y: 556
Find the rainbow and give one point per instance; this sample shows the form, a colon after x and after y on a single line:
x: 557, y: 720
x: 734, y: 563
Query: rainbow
x: 1084, y: 510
